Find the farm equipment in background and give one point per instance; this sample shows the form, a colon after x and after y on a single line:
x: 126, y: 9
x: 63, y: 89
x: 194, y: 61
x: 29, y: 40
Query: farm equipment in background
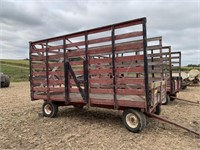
x: 4, y: 80
x: 191, y: 78
x: 184, y: 83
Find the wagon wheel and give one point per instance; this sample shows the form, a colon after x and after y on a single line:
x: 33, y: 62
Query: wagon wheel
x: 7, y: 81
x: 2, y: 84
x: 158, y: 110
x: 166, y: 100
x: 49, y: 109
x: 134, y: 120
x: 78, y: 106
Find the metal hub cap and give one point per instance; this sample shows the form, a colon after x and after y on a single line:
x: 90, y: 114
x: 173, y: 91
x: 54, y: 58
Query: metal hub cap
x: 48, y: 109
x: 132, y: 120
x: 164, y: 100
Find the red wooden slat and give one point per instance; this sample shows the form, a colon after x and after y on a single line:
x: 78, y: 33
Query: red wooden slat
x: 99, y: 40
x: 100, y: 50
x: 100, y: 71
x: 127, y: 24
x: 55, y: 47
x: 39, y: 96
x: 127, y: 80
x: 60, y: 89
x: 56, y: 64
x: 55, y: 82
x: 38, y: 58
x: 38, y: 66
x: 39, y: 73
x: 129, y: 46
x: 129, y: 58
x: 127, y: 70
x: 128, y: 35
x: 74, y: 90
x: 75, y: 44
x: 101, y: 91
x: 38, y: 50
x: 122, y: 104
x: 56, y: 73
x: 130, y: 92
x: 56, y: 56
x: 76, y: 101
x: 44, y: 65
x: 75, y: 53
x: 39, y: 89
x: 101, y: 80
x: 57, y: 98
x: 104, y: 60
x: 154, y: 47
x: 94, y: 101
x: 125, y: 103
x: 78, y: 72
x: 39, y: 81
x: 76, y: 62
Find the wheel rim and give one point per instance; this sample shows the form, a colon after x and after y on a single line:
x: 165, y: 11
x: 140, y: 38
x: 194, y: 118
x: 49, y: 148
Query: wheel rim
x: 132, y: 120
x: 48, y: 109
x: 164, y: 100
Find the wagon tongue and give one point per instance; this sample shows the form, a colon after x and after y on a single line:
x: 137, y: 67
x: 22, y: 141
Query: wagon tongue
x: 171, y: 122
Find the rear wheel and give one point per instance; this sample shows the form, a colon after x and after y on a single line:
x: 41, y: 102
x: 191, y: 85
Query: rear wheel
x: 2, y: 84
x: 134, y: 120
x: 158, y: 110
x: 78, y: 106
x: 7, y: 81
x: 166, y: 100
x: 49, y: 109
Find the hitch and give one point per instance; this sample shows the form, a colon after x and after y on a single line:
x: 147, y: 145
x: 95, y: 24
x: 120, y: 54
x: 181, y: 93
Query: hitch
x: 197, y: 102
x: 171, y: 122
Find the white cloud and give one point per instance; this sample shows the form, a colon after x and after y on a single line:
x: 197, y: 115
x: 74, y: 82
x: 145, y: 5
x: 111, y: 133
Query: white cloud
x: 28, y: 20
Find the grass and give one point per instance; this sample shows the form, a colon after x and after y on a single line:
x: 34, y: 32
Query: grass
x: 22, y: 63
x: 187, y: 69
x: 17, y: 70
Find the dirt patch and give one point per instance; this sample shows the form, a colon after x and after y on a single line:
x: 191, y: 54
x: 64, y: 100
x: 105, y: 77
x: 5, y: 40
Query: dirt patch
x: 22, y: 128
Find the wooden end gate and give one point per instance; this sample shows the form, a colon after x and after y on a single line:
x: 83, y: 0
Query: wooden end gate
x: 170, y: 61
x: 176, y: 70
x: 104, y: 67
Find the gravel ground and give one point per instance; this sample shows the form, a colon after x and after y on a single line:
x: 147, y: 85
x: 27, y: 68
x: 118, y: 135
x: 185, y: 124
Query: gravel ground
x: 22, y: 128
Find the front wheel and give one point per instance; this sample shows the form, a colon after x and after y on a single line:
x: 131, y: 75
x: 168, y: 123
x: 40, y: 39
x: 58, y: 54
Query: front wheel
x: 49, y: 109
x: 158, y: 110
x: 134, y: 120
x: 166, y: 100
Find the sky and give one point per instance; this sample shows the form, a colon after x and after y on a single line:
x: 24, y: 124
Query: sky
x: 21, y: 21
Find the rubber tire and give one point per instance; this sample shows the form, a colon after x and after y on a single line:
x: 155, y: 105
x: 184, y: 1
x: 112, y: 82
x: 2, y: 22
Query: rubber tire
x: 139, y: 115
x: 78, y: 106
x: 7, y: 81
x: 53, y: 108
x: 172, y: 99
x: 158, y: 110
x: 167, y: 100
x: 184, y: 87
x: 2, y: 84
